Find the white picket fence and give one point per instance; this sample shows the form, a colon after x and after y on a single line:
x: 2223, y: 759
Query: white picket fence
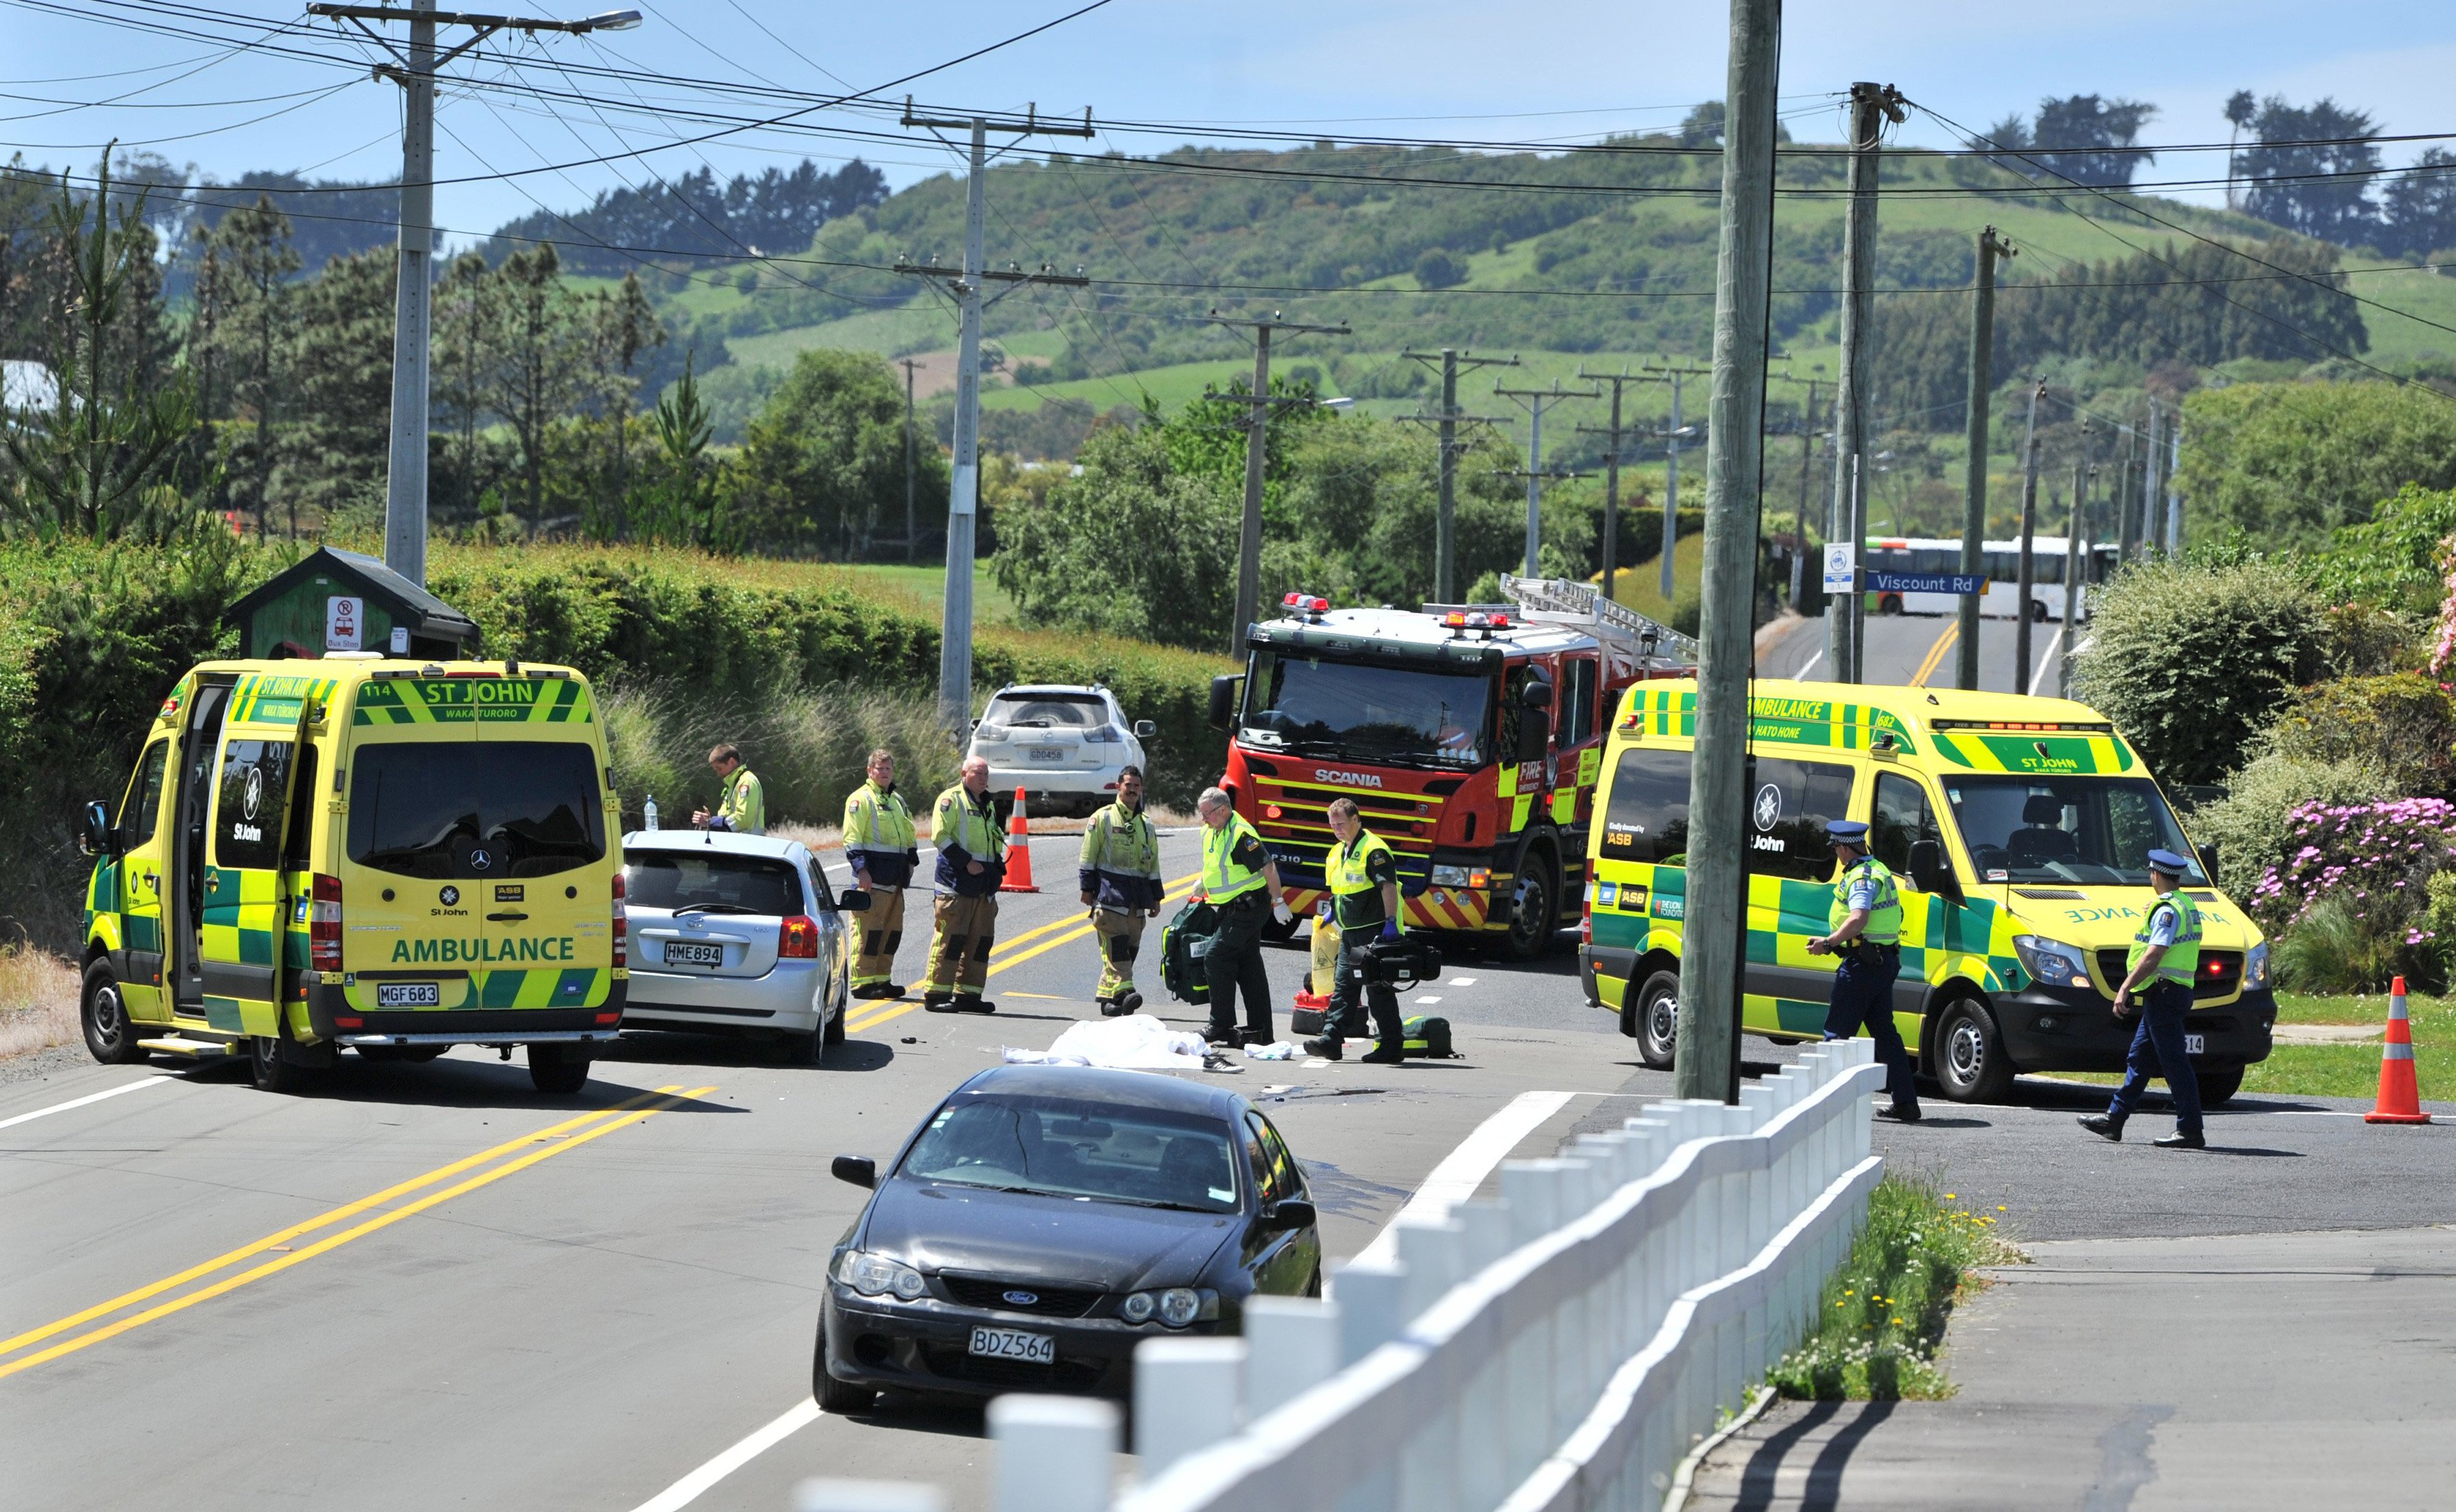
x: 1559, y: 1349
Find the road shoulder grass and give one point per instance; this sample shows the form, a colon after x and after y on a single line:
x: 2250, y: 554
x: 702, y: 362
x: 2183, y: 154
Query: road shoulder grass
x: 1882, y: 1317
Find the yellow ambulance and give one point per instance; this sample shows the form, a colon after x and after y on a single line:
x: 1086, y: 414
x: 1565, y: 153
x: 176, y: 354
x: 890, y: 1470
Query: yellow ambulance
x: 350, y: 850
x: 2020, y: 830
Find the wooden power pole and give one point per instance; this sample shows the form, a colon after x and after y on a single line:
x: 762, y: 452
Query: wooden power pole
x: 1706, y: 1060
x: 1973, y: 518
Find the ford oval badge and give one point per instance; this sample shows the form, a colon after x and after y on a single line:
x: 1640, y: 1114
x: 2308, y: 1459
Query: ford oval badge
x: 1023, y: 1298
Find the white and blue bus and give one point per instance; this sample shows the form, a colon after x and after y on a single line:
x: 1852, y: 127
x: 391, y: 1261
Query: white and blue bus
x: 2003, y: 572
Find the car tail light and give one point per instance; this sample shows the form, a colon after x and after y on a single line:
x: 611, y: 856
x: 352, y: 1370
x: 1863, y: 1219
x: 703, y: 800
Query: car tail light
x: 622, y: 925
x: 1587, y: 916
x: 324, y: 925
x: 797, y: 939
x: 347, y: 1021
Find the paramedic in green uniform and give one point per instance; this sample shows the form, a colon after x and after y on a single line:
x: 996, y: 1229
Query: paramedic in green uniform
x: 741, y: 806
x: 1364, y: 875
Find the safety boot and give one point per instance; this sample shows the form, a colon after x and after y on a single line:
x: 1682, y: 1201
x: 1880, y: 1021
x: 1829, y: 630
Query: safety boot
x: 972, y: 1003
x: 938, y: 1002
x: 2182, y: 1141
x: 1387, y: 1052
x: 2106, y: 1125
x: 1132, y: 1002
x: 1326, y: 1046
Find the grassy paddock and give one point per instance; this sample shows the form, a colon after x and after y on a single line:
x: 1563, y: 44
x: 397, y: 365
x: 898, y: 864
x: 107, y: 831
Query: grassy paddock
x: 38, y: 1001
x: 1882, y: 1318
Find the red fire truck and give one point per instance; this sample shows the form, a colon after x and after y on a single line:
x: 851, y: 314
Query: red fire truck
x: 1471, y: 737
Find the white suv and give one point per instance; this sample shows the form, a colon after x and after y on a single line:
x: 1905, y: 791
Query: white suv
x: 1063, y: 746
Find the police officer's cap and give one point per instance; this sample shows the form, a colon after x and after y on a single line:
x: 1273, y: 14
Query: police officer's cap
x: 2169, y: 863
x: 1846, y: 832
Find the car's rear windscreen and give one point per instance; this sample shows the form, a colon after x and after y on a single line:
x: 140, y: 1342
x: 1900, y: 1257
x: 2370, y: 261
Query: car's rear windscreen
x: 482, y: 808
x: 710, y: 882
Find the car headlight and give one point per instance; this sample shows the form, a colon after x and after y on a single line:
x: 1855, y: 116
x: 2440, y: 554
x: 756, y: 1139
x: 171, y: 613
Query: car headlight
x: 2052, y: 962
x: 1177, y: 1306
x: 1452, y: 877
x: 880, y: 1276
x: 2255, y: 968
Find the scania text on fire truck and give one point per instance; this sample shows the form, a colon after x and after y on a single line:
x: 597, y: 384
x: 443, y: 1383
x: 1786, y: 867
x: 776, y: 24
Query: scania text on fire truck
x: 1470, y: 736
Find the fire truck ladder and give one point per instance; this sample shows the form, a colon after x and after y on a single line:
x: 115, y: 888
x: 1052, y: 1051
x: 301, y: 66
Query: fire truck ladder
x: 1561, y: 600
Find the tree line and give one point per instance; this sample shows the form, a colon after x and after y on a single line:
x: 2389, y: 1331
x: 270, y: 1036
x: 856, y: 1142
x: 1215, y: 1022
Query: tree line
x: 264, y: 397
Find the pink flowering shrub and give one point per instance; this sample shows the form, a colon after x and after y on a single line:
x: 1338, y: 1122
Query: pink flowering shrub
x: 2351, y: 904
x: 2377, y: 859
x: 2443, y: 639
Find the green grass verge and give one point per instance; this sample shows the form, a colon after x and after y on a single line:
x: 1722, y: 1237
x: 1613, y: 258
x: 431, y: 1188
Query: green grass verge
x: 1882, y: 1318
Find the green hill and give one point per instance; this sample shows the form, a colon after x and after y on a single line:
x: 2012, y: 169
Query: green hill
x: 1601, y: 256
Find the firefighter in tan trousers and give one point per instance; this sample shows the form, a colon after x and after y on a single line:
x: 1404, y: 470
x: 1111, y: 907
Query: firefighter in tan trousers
x: 1118, y: 874
x: 878, y: 841
x: 971, y: 864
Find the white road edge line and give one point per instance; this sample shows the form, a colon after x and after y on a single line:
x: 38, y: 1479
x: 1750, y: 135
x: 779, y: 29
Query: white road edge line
x: 1463, y: 1169
x: 690, y: 1487
x: 2039, y: 672
x: 138, y: 1085
x: 1808, y: 666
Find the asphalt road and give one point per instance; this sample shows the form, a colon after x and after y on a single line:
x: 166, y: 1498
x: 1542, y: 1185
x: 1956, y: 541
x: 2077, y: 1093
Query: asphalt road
x: 1921, y: 651
x: 429, y: 1287
x: 500, y: 1320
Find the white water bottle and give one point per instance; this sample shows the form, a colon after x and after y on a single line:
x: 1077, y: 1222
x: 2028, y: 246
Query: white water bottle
x: 652, y: 814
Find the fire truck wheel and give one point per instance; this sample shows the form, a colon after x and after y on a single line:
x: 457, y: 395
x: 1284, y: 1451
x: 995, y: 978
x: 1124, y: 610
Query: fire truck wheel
x: 1533, y: 904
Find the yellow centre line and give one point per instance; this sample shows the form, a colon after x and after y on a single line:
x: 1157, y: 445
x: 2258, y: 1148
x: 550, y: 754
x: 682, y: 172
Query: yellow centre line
x: 1935, y: 654
x: 1179, y: 889
x: 612, y: 1118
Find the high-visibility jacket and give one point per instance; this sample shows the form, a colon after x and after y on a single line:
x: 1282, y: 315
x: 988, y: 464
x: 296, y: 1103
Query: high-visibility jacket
x: 1885, y: 918
x: 1120, y: 864
x: 1223, y: 876
x: 878, y: 835
x: 2180, y: 964
x: 966, y: 829
x: 1356, y: 893
x: 743, y: 805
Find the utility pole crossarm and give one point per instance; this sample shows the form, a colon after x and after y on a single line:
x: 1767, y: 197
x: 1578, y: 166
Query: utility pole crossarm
x: 1258, y: 409
x: 1451, y: 362
x: 1535, y: 402
x: 1048, y: 274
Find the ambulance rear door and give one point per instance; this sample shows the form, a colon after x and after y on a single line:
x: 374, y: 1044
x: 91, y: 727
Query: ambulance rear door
x: 544, y: 864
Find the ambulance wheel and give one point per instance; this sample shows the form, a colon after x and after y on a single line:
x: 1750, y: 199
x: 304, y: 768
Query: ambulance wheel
x: 270, y: 1070
x: 109, y: 1034
x: 2219, y: 1087
x: 1532, y: 921
x: 1968, y: 1059
x: 1658, y: 1019
x: 558, y: 1070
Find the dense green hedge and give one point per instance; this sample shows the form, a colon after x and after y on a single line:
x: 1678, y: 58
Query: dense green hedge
x: 91, y: 638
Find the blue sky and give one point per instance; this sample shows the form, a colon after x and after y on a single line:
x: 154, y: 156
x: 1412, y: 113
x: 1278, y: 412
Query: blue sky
x: 1528, y: 70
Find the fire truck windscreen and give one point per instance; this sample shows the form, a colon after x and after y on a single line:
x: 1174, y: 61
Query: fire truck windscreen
x: 1367, y: 711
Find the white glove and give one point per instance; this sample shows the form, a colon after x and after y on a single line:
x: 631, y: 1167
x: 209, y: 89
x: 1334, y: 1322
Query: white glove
x: 1279, y: 912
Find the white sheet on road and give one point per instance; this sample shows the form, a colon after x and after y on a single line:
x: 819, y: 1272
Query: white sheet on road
x: 1135, y: 1042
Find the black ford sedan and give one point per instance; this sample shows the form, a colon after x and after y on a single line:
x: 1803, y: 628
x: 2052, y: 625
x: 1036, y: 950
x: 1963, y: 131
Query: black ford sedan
x: 1043, y: 1220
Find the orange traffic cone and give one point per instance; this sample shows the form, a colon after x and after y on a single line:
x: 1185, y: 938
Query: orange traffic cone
x: 2400, y: 1099
x: 1019, y: 852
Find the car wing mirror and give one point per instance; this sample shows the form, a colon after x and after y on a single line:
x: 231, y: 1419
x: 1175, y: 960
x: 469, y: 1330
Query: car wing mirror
x: 859, y: 1171
x: 1929, y: 872
x: 95, y: 836
x: 1293, y: 1213
x: 1224, y: 700
x: 2209, y: 862
x: 1145, y: 729
x: 853, y: 900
